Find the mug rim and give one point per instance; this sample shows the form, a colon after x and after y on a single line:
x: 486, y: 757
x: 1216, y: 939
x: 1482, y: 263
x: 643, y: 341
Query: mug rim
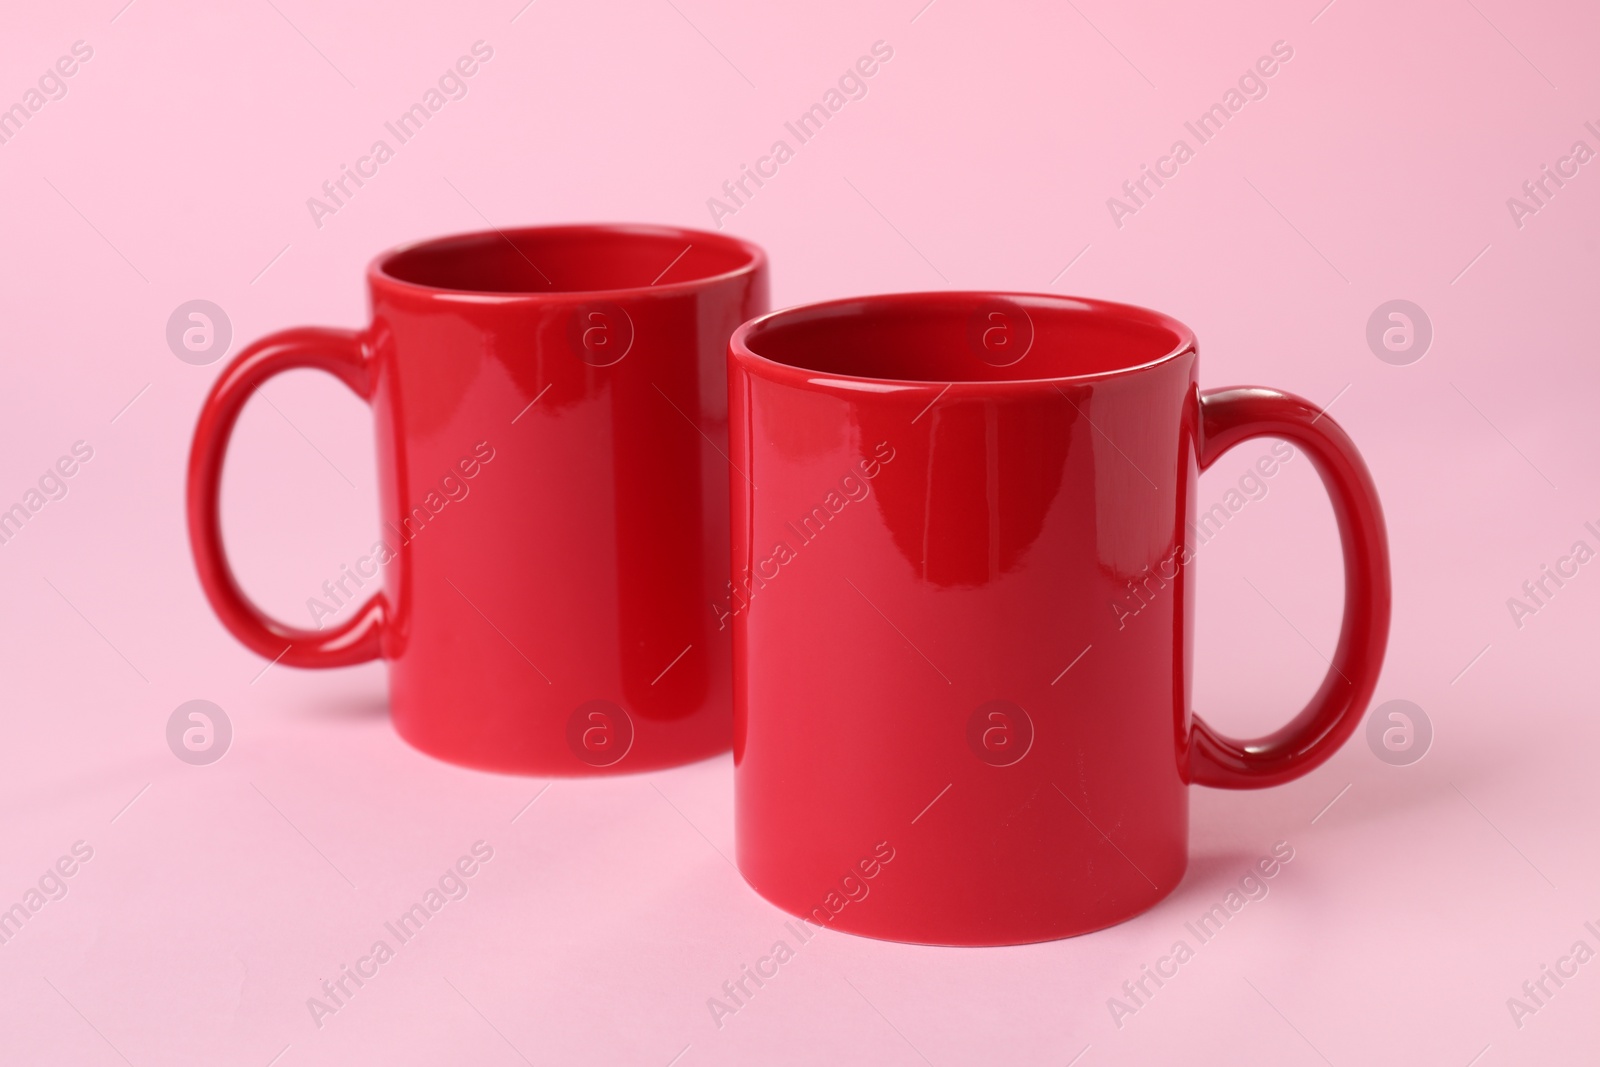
x: 382, y: 279
x: 790, y: 374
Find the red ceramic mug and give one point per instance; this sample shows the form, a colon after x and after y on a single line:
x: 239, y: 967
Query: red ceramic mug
x: 941, y: 502
x: 552, y: 428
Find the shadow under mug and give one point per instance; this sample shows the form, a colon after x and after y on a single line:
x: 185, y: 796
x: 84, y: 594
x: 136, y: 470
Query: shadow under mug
x: 551, y: 425
x: 963, y: 604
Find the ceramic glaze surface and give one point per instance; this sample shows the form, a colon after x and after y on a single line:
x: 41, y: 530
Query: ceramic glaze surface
x: 551, y: 422
x: 962, y: 614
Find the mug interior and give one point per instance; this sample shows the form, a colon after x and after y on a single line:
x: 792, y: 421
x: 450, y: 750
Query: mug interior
x: 568, y: 259
x: 965, y: 337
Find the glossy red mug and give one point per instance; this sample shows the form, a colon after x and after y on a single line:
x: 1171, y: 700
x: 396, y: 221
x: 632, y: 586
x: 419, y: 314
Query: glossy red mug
x: 951, y: 726
x: 551, y: 409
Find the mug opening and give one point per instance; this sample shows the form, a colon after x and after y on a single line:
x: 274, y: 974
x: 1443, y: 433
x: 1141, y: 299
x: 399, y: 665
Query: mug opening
x: 569, y: 259
x: 965, y: 337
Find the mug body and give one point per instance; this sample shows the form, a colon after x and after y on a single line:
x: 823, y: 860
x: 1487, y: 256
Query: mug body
x: 552, y: 429
x: 960, y: 612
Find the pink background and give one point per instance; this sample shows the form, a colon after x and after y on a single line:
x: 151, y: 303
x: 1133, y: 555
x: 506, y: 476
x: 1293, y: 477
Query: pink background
x: 1377, y: 167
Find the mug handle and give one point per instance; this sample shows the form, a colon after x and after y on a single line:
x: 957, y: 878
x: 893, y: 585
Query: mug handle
x: 1227, y: 418
x: 343, y: 354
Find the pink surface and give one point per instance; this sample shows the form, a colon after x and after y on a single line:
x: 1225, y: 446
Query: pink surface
x: 1378, y: 166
